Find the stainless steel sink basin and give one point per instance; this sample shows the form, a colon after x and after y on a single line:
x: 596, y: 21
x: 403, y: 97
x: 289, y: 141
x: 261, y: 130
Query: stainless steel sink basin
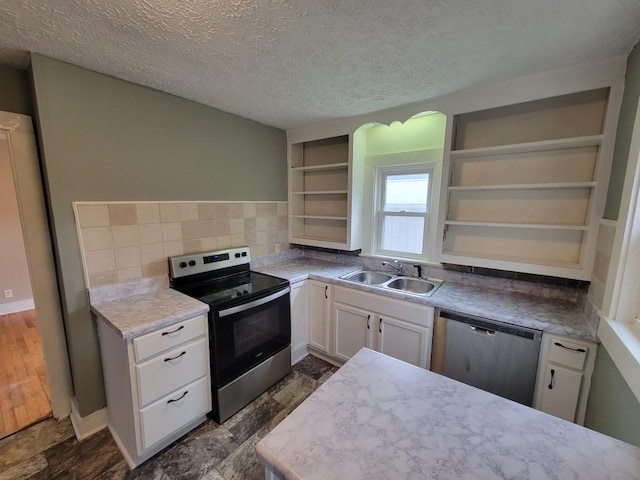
x: 411, y: 285
x: 424, y: 287
x: 369, y: 277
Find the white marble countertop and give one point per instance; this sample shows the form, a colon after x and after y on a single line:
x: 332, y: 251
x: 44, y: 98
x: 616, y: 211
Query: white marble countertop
x: 380, y: 418
x: 140, y: 314
x: 547, y: 314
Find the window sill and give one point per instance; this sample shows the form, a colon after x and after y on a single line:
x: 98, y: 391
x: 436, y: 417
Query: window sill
x: 421, y: 261
x: 622, y: 341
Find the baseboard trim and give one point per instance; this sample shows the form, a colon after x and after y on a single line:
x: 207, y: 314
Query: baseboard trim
x: 15, y: 307
x: 86, y: 426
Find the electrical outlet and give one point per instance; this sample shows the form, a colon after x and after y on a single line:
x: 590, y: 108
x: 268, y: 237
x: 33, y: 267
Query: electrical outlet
x: 8, y: 293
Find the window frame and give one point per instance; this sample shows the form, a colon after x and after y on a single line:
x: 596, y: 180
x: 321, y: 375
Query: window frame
x: 381, y: 173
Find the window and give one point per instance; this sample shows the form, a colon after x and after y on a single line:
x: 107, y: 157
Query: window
x: 402, y: 211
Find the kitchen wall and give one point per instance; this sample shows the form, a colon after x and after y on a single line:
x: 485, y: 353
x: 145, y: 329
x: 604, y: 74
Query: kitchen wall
x: 623, y: 134
x: 103, y: 139
x: 13, y: 258
x: 14, y: 91
x: 612, y: 408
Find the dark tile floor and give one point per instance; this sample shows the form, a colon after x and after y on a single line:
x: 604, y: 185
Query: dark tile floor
x: 49, y: 450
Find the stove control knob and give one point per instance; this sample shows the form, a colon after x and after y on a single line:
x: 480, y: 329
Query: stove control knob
x: 237, y: 255
x: 244, y: 254
x: 245, y: 292
x: 183, y: 264
x: 192, y: 263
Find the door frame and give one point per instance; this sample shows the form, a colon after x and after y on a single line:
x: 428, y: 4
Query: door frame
x: 27, y: 178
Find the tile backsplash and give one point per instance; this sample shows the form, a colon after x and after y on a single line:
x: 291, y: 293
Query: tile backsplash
x: 123, y: 241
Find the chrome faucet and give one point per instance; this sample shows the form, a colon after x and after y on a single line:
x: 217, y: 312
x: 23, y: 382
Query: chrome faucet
x: 396, y: 264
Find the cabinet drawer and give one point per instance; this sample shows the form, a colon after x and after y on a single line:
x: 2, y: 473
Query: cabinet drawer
x: 146, y: 346
x: 171, y: 370
x: 174, y: 411
x: 569, y: 354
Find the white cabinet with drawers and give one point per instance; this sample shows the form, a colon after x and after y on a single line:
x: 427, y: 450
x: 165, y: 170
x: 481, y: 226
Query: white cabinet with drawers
x: 158, y: 385
x: 564, y: 377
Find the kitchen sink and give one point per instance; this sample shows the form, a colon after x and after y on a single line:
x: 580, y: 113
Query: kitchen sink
x: 369, y: 277
x: 424, y: 287
x: 412, y: 285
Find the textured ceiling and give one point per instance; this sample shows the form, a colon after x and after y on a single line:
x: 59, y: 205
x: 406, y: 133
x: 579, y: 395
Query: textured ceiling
x: 290, y: 63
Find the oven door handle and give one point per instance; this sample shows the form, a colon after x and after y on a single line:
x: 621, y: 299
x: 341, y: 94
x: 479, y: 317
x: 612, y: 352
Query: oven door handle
x: 255, y: 303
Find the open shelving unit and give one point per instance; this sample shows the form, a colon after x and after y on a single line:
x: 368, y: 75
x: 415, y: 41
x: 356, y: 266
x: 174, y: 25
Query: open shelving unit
x: 319, y: 193
x: 522, y: 182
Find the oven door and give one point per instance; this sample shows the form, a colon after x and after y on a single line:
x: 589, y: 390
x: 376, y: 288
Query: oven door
x: 245, y: 335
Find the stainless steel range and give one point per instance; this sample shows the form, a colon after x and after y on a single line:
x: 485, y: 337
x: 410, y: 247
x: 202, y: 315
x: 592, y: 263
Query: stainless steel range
x: 249, y: 323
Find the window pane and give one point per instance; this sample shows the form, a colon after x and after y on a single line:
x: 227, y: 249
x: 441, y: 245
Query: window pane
x: 402, y: 234
x: 406, y: 193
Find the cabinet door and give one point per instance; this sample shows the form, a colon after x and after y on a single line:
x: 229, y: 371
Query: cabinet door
x: 560, y: 391
x: 319, y: 315
x: 299, y: 320
x: 403, y: 340
x: 352, y: 330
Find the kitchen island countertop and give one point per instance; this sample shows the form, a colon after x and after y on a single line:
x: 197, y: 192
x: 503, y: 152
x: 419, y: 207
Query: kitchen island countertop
x: 380, y: 418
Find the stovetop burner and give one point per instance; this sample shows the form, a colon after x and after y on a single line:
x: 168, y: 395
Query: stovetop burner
x: 221, y: 278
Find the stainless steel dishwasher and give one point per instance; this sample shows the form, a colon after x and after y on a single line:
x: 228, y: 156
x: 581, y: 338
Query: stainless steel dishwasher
x: 493, y: 356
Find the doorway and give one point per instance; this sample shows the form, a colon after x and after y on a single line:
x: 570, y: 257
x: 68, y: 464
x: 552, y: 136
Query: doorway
x: 24, y: 390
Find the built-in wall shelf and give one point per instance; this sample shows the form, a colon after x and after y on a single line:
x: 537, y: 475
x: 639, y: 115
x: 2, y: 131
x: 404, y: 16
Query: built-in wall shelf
x: 522, y: 182
x: 526, y: 186
x: 519, y: 225
x: 540, y: 146
x: 326, y: 192
x: 320, y: 185
x: 320, y: 168
x: 320, y: 217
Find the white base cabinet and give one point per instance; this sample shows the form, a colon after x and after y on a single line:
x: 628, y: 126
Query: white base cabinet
x: 564, y: 377
x: 299, y: 321
x: 319, y: 328
x: 158, y: 385
x: 396, y: 328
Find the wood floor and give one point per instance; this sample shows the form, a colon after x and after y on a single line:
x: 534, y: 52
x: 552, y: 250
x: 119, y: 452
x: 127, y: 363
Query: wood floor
x: 24, y: 392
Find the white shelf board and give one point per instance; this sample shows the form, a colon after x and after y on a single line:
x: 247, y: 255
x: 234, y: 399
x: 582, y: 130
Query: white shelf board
x: 320, y: 217
x: 539, y: 226
x: 509, y: 259
x: 323, y: 192
x: 526, y: 186
x: 328, y: 166
x: 559, y: 144
x: 319, y: 242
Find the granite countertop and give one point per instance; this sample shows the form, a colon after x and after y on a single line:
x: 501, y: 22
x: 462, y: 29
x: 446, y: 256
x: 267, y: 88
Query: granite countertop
x: 547, y: 314
x: 140, y: 314
x: 380, y: 418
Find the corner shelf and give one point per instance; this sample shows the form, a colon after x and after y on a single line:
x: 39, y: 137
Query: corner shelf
x: 320, y: 168
x: 525, y: 186
x: 320, y: 192
x: 320, y: 217
x: 540, y: 226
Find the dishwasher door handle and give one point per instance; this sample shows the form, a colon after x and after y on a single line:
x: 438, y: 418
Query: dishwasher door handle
x: 483, y: 331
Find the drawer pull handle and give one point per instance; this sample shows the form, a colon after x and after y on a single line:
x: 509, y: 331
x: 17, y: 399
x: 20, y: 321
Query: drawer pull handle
x: 326, y: 287
x: 173, y: 358
x: 173, y: 331
x: 551, y: 382
x: 368, y: 318
x: 581, y: 350
x: 179, y: 398
x: 380, y: 325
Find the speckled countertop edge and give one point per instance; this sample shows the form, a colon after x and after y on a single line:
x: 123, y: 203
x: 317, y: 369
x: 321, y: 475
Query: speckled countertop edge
x: 556, y: 316
x: 140, y: 314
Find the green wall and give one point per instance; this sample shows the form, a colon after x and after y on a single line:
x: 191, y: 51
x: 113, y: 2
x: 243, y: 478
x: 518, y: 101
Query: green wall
x: 104, y: 139
x: 14, y: 91
x: 623, y: 135
x: 612, y: 408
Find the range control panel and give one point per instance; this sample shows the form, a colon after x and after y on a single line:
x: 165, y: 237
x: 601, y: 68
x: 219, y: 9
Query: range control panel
x: 190, y: 264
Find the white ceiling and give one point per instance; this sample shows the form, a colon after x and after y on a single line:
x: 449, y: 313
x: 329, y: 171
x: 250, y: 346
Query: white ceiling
x: 291, y: 63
